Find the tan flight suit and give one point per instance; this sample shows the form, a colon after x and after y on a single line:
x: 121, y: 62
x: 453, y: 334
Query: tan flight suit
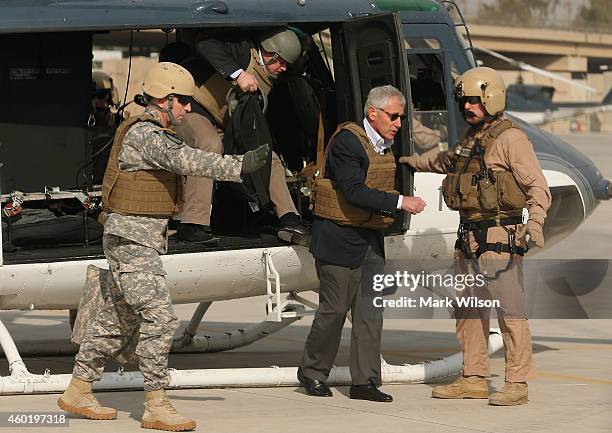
x: 511, y: 151
x: 200, y: 133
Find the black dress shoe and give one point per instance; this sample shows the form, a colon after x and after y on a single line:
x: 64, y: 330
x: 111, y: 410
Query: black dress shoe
x: 369, y: 392
x: 313, y: 387
x: 293, y: 230
x: 193, y: 233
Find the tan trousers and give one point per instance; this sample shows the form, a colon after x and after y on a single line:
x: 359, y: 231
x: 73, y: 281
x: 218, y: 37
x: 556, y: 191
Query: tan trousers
x: 472, y: 324
x: 198, y: 132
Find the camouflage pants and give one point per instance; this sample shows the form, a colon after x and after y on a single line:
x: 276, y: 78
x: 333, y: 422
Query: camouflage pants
x: 139, y: 301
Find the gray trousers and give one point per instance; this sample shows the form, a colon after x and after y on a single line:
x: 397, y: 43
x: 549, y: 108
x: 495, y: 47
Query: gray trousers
x: 343, y: 289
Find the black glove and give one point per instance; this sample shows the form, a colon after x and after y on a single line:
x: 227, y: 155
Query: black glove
x: 255, y: 159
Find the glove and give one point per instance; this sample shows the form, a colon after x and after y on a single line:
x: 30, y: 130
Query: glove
x: 534, y: 229
x: 408, y: 160
x: 255, y: 159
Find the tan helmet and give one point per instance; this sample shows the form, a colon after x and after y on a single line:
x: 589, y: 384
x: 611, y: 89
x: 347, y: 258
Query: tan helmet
x: 486, y: 83
x: 104, y: 85
x: 168, y: 78
x: 283, y: 42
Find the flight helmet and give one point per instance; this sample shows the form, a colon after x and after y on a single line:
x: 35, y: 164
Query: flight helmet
x: 485, y: 83
x: 104, y: 86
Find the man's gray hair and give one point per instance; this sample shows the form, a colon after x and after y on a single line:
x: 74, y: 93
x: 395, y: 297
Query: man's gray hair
x: 379, y: 97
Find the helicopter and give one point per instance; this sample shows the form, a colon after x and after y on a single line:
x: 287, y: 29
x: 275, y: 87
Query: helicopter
x: 414, y: 45
x: 533, y: 103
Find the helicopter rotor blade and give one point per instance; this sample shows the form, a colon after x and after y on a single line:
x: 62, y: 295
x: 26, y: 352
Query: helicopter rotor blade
x: 527, y: 67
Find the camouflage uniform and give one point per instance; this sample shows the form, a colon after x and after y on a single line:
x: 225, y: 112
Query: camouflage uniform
x: 139, y: 301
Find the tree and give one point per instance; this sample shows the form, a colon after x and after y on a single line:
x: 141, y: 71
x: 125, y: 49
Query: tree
x: 523, y: 13
x: 597, y: 14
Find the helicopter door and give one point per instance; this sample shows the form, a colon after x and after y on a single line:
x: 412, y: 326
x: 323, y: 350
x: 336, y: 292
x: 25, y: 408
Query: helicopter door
x: 369, y: 52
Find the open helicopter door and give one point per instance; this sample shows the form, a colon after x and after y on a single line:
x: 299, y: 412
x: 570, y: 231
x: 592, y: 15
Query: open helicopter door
x: 370, y: 52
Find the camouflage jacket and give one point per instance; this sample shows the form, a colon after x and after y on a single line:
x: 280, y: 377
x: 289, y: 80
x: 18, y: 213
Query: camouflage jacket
x: 146, y: 146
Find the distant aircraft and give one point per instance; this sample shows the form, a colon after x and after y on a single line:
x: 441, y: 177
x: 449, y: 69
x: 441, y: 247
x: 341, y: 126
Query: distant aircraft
x: 534, y: 104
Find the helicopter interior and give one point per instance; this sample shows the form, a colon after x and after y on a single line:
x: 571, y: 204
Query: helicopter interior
x: 427, y: 87
x: 51, y: 202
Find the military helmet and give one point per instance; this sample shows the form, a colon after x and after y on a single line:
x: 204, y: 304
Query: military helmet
x: 104, y: 86
x: 283, y: 42
x: 168, y: 78
x: 485, y: 83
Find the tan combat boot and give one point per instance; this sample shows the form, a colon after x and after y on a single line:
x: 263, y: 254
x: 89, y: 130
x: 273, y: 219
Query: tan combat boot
x: 159, y: 414
x: 79, y: 400
x: 513, y: 394
x: 464, y: 387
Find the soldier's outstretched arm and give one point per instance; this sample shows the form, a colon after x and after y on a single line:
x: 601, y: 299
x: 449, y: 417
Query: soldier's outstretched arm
x: 150, y: 147
x: 439, y: 162
x: 147, y: 146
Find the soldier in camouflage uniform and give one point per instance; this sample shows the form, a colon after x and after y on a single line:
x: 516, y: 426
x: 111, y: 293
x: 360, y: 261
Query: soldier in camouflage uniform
x: 141, y: 189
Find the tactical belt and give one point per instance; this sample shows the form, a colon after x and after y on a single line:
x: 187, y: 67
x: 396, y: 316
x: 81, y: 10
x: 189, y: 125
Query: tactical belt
x: 480, y: 229
x: 497, y: 247
x: 485, y: 224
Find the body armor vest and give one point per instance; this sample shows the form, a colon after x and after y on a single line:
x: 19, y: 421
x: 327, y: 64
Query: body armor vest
x: 212, y: 95
x: 156, y: 193
x: 473, y: 189
x: 330, y: 204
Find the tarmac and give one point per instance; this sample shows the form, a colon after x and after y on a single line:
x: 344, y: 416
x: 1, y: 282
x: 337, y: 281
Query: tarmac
x: 571, y: 391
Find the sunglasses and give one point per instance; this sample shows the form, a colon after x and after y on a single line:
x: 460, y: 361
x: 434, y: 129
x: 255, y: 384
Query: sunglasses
x: 393, y: 116
x: 183, y: 100
x: 470, y: 100
x: 102, y: 94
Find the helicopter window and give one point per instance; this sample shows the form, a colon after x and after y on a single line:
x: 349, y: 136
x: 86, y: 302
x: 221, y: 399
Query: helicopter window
x: 428, y: 43
x: 459, y: 120
x: 429, y: 109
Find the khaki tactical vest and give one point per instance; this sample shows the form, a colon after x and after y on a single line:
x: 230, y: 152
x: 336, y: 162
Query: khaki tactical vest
x: 156, y: 193
x: 473, y: 189
x: 330, y: 204
x: 212, y: 95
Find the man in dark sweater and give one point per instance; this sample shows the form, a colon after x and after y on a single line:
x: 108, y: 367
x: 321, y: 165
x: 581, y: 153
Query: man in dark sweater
x: 347, y: 243
x: 219, y: 64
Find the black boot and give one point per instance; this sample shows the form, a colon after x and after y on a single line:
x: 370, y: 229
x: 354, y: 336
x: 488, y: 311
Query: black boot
x: 293, y: 230
x: 194, y: 233
x: 369, y: 392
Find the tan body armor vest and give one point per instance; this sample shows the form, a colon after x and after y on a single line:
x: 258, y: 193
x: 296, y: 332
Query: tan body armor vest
x: 213, y: 93
x: 331, y: 205
x: 156, y: 193
x: 473, y: 189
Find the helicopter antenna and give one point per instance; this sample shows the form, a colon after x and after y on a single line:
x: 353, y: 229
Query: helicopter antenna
x: 127, y: 83
x: 451, y: 4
